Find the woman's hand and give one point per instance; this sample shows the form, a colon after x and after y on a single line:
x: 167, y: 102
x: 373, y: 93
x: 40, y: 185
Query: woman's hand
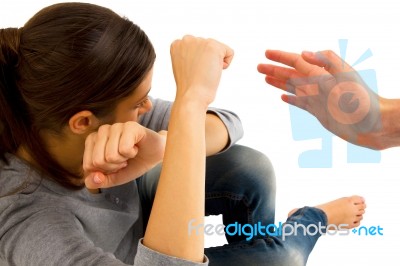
x: 197, y: 64
x: 119, y: 153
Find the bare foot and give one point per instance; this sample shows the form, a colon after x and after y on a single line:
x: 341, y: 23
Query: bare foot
x: 346, y: 210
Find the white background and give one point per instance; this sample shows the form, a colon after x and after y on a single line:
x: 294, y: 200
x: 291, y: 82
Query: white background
x: 250, y: 27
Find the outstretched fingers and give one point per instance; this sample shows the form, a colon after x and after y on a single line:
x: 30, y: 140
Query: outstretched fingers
x: 328, y: 60
x: 278, y: 72
x: 296, y: 61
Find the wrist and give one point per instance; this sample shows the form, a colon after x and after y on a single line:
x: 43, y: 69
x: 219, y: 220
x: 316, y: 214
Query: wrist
x: 194, y: 98
x: 189, y: 113
x: 390, y: 117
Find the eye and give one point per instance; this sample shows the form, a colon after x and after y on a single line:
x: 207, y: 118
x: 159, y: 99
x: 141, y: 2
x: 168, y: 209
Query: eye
x: 142, y: 103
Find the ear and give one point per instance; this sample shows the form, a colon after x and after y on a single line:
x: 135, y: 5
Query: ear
x: 83, y: 122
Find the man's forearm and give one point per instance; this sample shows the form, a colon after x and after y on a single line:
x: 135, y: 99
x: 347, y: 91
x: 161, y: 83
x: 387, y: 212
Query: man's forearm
x: 390, y: 135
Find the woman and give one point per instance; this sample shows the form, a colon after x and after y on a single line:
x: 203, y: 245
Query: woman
x: 81, y: 152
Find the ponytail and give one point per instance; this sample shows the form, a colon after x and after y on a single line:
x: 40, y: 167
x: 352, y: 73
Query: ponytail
x: 16, y: 127
x: 12, y: 122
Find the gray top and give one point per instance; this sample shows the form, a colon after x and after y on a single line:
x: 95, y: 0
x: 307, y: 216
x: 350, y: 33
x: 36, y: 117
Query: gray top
x: 43, y: 223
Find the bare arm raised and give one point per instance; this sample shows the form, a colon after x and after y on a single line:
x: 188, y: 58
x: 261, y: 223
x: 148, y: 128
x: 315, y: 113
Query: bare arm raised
x: 197, y: 65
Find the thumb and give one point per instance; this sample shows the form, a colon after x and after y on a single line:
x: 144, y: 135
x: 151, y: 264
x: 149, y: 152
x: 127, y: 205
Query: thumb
x: 229, y: 53
x: 95, y: 180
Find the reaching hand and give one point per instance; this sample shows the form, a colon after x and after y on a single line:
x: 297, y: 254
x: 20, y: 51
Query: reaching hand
x: 119, y: 153
x: 324, y: 85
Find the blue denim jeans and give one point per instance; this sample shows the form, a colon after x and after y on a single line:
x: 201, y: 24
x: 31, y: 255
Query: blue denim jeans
x: 240, y: 185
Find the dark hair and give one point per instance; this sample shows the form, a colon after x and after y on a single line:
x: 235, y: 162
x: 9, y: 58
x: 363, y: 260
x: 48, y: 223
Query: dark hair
x: 67, y: 58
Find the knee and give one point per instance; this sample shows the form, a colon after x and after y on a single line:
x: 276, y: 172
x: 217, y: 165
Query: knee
x: 248, y: 164
x: 294, y: 258
x: 248, y: 160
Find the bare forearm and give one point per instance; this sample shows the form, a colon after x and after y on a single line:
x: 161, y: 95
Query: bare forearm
x: 216, y: 134
x: 197, y: 65
x: 180, y: 192
x: 390, y: 134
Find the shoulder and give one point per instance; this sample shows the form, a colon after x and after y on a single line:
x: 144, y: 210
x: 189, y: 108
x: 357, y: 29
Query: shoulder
x: 17, y: 177
x: 24, y: 193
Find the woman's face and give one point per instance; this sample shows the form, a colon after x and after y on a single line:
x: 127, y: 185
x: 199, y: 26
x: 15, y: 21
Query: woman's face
x: 135, y: 104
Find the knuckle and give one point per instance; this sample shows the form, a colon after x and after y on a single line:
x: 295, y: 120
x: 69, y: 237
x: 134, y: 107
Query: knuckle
x: 89, y: 139
x: 126, y: 151
x: 86, y: 166
x: 115, y: 126
x: 131, y: 125
x: 213, y: 43
x: 330, y: 53
x: 297, y: 61
x: 98, y: 163
x: 328, y: 56
x: 188, y: 37
x: 103, y: 129
x: 173, y: 45
x: 111, y: 157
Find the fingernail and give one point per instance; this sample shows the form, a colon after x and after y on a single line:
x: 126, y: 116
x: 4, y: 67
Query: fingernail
x: 96, y: 179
